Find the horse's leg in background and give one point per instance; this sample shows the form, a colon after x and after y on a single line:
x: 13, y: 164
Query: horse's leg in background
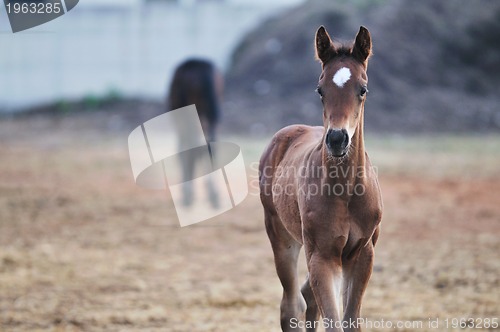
x: 312, y: 312
x: 286, y: 251
x: 357, y: 272
x: 188, y: 164
x: 213, y: 195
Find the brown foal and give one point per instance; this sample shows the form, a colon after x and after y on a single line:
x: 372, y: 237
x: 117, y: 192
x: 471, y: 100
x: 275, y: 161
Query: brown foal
x: 319, y: 191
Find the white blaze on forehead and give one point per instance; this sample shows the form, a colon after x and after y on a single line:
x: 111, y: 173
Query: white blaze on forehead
x: 342, y: 76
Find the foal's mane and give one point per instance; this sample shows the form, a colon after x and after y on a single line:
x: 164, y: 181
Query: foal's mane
x: 342, y: 49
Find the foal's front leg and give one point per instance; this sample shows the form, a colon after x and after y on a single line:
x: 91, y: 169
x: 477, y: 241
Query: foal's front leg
x: 325, y: 271
x: 357, y: 272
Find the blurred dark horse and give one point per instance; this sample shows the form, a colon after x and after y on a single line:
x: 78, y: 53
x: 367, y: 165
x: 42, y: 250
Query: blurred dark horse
x: 197, y: 81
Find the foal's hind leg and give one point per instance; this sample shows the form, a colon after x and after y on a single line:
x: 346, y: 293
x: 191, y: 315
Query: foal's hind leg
x: 312, y: 312
x: 286, y: 251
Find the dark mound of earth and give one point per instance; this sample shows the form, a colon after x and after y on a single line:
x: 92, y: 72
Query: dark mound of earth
x: 435, y: 66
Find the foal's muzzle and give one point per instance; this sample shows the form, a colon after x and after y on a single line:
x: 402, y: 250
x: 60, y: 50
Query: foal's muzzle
x: 337, y: 141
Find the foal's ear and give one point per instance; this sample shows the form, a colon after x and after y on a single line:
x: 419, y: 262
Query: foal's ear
x: 362, y: 48
x: 324, y: 45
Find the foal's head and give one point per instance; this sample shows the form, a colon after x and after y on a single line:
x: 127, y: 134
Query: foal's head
x: 342, y: 87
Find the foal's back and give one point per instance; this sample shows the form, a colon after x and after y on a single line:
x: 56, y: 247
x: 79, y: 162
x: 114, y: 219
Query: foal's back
x: 295, y: 140
x: 289, y: 150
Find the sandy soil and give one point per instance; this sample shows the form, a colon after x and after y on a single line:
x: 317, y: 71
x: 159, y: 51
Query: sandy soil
x: 83, y: 249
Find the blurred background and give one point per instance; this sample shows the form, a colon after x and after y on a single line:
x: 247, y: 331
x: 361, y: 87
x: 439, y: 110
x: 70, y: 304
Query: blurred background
x: 83, y: 249
x: 435, y: 69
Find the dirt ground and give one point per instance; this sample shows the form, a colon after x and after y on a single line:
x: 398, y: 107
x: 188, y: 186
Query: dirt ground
x: 83, y: 249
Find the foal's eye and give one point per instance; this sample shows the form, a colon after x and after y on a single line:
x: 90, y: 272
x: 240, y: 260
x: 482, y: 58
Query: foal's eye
x: 363, y: 91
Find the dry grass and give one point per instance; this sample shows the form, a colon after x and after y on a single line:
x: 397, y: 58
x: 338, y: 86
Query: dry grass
x: 84, y: 249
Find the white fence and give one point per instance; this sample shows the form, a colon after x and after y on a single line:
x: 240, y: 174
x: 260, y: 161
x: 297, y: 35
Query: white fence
x: 132, y: 50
